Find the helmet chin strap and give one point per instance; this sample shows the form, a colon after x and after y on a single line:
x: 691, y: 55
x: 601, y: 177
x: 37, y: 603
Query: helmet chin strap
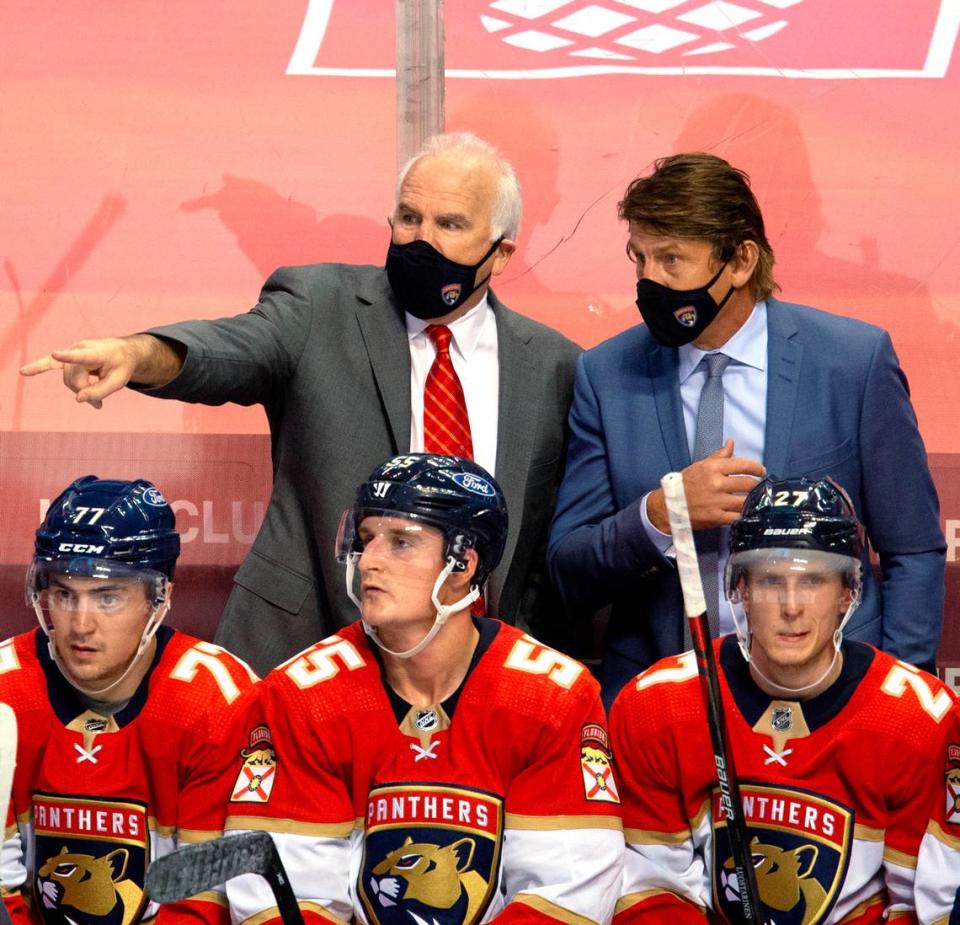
x: 149, y: 631
x: 444, y: 611
x: 744, y: 639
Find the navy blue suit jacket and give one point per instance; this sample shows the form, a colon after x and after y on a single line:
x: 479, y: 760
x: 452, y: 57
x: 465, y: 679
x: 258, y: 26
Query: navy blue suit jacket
x: 837, y: 404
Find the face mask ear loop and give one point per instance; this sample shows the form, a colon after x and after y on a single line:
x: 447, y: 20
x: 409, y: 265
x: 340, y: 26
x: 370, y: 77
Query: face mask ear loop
x: 444, y: 611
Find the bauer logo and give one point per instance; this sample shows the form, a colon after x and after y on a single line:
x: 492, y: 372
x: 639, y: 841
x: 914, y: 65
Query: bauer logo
x: 474, y: 483
x: 548, y: 39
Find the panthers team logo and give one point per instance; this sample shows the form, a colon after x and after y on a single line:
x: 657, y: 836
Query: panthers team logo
x: 450, y: 294
x: 687, y: 316
x: 800, y: 844
x: 431, y: 854
x: 91, y: 858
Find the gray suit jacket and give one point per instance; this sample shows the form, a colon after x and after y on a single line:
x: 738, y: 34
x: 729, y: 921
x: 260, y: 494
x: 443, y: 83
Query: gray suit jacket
x: 325, y: 351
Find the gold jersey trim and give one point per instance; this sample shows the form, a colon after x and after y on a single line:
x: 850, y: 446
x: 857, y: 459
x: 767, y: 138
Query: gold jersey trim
x: 865, y: 833
x: 632, y: 899
x: 554, y: 823
x: 212, y: 896
x: 936, y: 830
x: 291, y: 826
x: 552, y: 909
x: 645, y: 837
x: 900, y: 858
x: 195, y: 836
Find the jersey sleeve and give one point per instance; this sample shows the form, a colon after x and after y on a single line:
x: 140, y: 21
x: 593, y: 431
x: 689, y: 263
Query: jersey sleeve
x: 290, y: 785
x: 214, y: 687
x: 937, y: 883
x: 665, y: 877
x: 925, y: 713
x: 563, y: 841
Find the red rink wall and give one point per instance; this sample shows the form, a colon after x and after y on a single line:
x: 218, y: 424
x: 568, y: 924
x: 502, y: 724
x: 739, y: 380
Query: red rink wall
x: 161, y: 159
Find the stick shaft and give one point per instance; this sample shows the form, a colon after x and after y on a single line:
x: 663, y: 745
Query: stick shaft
x: 695, y: 606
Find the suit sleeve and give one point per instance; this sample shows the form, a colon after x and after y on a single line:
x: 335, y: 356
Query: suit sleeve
x: 596, y: 549
x: 901, y: 513
x: 665, y: 878
x: 298, y: 793
x: 563, y: 841
x: 245, y: 359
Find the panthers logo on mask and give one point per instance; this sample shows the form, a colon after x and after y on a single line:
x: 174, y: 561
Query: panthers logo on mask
x: 91, y: 859
x: 431, y: 854
x: 800, y: 846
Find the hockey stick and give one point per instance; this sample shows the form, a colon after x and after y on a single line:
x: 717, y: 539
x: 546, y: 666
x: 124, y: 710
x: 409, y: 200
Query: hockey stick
x: 196, y: 868
x: 696, y: 607
x: 8, y: 762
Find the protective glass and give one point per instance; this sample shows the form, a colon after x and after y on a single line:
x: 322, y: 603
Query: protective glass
x: 784, y: 576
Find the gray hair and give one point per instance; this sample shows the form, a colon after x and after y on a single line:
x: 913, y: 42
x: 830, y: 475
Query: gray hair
x: 505, y: 219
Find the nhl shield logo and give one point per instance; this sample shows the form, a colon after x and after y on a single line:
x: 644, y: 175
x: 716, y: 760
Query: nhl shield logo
x: 781, y: 719
x: 91, y: 858
x: 450, y: 294
x: 800, y: 844
x: 431, y: 854
x: 687, y: 316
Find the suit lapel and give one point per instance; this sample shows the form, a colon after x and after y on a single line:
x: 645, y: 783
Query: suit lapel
x: 784, y: 355
x: 664, y: 363
x: 517, y: 424
x: 385, y: 338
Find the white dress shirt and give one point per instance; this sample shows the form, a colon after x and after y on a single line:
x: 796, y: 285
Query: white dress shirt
x: 473, y: 351
x: 744, y: 415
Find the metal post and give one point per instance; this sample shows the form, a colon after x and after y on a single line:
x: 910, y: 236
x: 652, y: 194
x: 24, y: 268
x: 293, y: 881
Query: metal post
x: 419, y: 74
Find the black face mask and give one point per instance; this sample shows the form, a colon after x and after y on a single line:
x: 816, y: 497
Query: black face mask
x: 678, y: 316
x: 429, y: 285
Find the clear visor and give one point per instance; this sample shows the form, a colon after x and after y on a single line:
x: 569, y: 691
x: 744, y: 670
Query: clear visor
x: 99, y: 585
x: 389, y: 555
x: 780, y: 576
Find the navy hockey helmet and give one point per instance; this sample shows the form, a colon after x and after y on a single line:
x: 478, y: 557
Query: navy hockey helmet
x: 97, y: 528
x: 795, y: 514
x: 455, y: 495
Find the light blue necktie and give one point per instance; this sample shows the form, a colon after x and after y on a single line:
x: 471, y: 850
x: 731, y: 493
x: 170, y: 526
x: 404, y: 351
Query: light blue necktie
x: 708, y: 438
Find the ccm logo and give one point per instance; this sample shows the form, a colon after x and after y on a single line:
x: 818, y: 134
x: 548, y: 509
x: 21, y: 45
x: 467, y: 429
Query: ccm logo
x: 79, y: 547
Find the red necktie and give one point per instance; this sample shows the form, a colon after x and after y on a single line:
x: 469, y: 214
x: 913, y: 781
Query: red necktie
x: 446, y: 427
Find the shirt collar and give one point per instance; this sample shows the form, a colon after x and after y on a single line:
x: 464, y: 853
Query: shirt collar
x: 466, y: 330
x: 747, y: 347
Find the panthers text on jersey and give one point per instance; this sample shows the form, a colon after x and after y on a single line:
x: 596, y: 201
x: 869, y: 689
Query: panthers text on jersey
x: 499, y: 803
x: 837, y: 791
x: 96, y: 797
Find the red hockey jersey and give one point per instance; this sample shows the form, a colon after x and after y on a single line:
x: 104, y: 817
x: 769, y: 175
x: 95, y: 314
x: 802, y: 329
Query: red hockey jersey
x: 837, y: 791
x: 500, y: 803
x: 97, y: 797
